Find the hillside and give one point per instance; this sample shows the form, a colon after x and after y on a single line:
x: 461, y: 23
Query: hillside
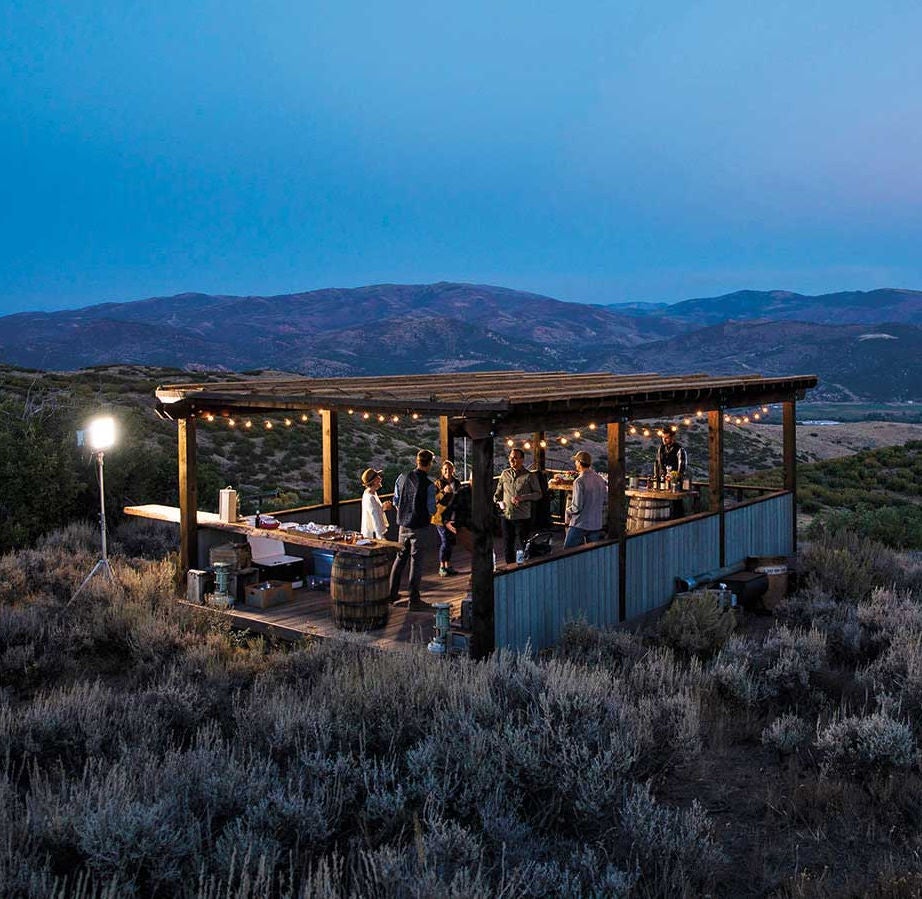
x: 862, y: 346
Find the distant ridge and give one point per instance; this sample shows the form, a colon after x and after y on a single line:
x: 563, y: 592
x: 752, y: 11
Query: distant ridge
x: 861, y: 344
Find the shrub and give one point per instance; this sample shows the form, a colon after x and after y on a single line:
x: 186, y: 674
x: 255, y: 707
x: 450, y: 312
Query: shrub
x: 786, y: 734
x: 855, y: 746
x: 849, y: 567
x: 781, y: 666
x: 696, y: 624
x: 676, y: 848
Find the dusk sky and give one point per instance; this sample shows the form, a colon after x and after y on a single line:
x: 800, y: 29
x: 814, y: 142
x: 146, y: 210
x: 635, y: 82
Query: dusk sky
x: 593, y: 151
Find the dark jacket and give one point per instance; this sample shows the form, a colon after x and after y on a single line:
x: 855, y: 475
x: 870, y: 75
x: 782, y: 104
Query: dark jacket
x: 445, y: 500
x: 674, y: 457
x: 414, y: 499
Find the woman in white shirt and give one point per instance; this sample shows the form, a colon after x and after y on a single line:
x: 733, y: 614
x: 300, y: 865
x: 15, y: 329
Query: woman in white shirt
x: 374, y: 524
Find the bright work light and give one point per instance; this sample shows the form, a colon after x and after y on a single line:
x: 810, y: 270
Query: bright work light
x: 101, y: 433
x: 99, y: 436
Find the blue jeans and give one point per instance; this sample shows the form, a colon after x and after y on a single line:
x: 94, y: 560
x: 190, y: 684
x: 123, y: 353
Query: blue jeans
x: 447, y: 542
x: 413, y: 543
x: 579, y: 536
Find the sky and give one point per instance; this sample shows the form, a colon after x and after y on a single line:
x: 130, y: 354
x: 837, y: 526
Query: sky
x: 596, y: 151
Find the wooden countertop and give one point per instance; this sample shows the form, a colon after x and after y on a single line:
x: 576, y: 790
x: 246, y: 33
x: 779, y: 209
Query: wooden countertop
x: 299, y: 538
x: 661, y: 494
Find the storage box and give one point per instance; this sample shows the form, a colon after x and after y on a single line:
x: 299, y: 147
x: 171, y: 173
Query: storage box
x: 323, y: 562
x: 198, y: 583
x: 266, y: 594
x: 236, y: 554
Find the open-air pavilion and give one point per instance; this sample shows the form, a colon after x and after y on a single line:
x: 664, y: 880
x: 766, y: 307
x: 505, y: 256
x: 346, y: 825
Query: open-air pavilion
x: 606, y: 583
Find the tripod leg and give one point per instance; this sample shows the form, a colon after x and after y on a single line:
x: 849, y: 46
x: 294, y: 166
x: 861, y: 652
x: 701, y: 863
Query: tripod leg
x: 101, y: 564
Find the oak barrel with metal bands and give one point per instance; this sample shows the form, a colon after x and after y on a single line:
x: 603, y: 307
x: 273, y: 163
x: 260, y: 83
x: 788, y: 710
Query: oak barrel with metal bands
x: 360, y: 589
x: 646, y: 511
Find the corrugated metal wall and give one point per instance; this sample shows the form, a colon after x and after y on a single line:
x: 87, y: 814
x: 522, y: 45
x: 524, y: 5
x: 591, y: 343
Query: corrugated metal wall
x: 532, y: 604
x: 656, y: 558
x: 761, y: 528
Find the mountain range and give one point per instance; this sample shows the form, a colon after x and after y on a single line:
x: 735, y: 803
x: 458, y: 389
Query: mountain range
x: 863, y: 345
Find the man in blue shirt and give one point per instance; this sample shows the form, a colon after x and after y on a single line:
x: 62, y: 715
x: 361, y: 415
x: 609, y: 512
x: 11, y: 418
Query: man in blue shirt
x: 414, y: 500
x: 585, y: 510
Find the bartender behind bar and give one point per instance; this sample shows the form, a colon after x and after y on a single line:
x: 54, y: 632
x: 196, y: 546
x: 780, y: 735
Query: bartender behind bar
x: 670, y: 456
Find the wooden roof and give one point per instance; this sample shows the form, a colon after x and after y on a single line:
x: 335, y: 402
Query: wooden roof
x: 506, y: 399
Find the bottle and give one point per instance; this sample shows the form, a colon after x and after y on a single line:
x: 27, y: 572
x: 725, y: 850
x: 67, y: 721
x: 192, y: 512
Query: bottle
x: 519, y: 556
x: 256, y: 524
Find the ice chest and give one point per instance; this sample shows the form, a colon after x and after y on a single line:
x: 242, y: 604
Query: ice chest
x: 266, y: 594
x: 273, y: 564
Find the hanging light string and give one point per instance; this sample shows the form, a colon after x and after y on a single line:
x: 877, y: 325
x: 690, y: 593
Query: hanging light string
x: 738, y: 418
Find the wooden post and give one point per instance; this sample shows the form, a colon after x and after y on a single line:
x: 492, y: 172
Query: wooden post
x: 483, y: 637
x: 446, y: 441
x: 329, y: 422
x: 538, y: 452
x: 616, y: 507
x: 789, y: 456
x: 716, y: 473
x: 188, y: 497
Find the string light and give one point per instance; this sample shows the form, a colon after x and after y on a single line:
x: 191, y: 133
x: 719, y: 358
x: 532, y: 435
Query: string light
x: 592, y: 425
x: 563, y: 441
x: 632, y: 430
x: 351, y: 411
x: 303, y: 416
x: 527, y: 444
x: 231, y: 423
x: 366, y: 415
x: 577, y: 434
x: 381, y: 416
x: 395, y: 418
x: 510, y: 442
x: 268, y: 425
x: 209, y: 416
x: 415, y: 416
x: 543, y: 444
x: 287, y: 422
x: 248, y: 424
x: 646, y: 432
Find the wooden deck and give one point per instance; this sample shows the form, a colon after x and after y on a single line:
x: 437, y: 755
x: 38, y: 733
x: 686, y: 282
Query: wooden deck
x: 309, y: 614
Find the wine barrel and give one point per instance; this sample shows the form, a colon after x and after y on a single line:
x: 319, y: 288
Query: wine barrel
x: 646, y: 511
x: 360, y: 590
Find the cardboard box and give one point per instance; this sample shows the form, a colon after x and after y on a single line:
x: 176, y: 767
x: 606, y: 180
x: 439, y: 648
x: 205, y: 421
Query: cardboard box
x: 266, y: 594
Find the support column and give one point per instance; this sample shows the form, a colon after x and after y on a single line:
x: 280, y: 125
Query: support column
x: 188, y: 497
x: 446, y: 441
x: 483, y: 637
x: 716, y: 473
x: 329, y: 422
x: 617, y: 511
x: 538, y: 452
x: 789, y: 457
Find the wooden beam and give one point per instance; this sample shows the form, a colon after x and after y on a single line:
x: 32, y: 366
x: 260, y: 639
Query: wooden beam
x: 789, y: 457
x: 716, y: 472
x: 446, y: 439
x: 483, y: 638
x: 188, y: 497
x: 538, y: 452
x: 329, y: 423
x: 617, y: 510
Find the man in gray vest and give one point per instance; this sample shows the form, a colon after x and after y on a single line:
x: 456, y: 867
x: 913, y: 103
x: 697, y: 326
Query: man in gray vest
x: 414, y: 500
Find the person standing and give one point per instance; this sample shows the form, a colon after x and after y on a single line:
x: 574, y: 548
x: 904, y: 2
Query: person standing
x: 517, y: 490
x: 670, y: 456
x: 374, y: 524
x: 414, y: 500
x: 587, y: 502
x: 447, y: 487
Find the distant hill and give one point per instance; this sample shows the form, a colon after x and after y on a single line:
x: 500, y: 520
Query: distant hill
x: 862, y: 345
x: 856, y: 307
